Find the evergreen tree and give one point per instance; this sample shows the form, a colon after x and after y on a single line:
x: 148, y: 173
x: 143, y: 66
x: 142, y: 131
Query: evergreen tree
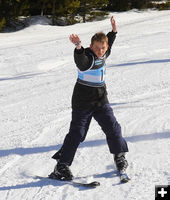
x: 38, y: 7
x: 124, y: 5
x: 8, y: 11
x: 163, y: 5
x: 88, y: 7
x: 140, y: 4
x: 2, y: 18
x: 119, y: 5
x: 68, y: 9
x: 71, y: 10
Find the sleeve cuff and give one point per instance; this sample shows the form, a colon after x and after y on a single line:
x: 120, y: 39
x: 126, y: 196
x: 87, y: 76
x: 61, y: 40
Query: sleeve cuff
x: 79, y: 51
x: 114, y: 32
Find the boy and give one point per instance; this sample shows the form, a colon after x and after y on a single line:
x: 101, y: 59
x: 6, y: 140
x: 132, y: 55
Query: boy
x: 90, y: 100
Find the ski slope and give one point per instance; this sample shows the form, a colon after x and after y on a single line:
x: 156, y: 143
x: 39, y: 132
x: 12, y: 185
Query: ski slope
x: 37, y: 76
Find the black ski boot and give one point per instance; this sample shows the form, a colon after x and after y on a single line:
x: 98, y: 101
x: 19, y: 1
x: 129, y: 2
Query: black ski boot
x: 121, y: 162
x: 61, y: 172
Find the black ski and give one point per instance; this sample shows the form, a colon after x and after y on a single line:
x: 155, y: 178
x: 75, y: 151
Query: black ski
x: 93, y: 184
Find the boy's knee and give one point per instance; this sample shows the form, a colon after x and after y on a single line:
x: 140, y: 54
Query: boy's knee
x: 112, y: 127
x: 79, y: 133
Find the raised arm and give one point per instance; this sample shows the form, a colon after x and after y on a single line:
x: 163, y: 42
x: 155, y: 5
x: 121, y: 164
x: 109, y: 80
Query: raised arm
x: 111, y: 35
x: 82, y: 59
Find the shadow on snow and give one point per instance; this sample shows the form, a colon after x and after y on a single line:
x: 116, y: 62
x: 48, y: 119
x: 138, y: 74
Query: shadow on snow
x: 21, y: 76
x: 33, y: 150
x: 41, y: 183
x: 141, y: 62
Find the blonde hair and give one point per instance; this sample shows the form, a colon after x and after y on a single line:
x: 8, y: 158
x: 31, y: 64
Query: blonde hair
x: 99, y: 37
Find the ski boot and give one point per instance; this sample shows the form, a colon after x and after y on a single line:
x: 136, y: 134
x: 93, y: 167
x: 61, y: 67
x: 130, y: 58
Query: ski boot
x: 61, y: 172
x: 121, y: 162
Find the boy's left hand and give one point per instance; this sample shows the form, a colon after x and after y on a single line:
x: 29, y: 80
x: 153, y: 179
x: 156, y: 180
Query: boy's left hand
x: 113, y: 23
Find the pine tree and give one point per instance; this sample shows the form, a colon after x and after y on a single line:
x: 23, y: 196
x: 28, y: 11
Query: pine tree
x: 68, y: 9
x: 8, y: 11
x: 88, y: 7
x: 2, y: 18
x: 140, y: 4
x: 119, y: 5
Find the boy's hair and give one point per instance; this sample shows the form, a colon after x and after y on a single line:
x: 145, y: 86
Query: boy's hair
x: 99, y: 37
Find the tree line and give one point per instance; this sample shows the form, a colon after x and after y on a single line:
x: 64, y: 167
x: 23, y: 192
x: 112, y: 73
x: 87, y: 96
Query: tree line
x: 63, y: 11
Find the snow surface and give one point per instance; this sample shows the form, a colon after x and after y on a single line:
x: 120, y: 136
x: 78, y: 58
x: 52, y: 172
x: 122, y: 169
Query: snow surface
x: 37, y: 76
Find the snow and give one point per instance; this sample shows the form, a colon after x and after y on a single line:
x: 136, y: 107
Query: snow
x: 37, y: 76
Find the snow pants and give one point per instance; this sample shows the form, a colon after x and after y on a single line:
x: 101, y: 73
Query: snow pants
x: 78, y: 130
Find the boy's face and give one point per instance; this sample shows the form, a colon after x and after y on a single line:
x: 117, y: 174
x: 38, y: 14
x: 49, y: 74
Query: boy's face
x: 99, y: 48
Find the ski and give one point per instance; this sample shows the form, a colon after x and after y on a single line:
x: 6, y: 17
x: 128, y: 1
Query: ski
x: 92, y: 184
x: 124, y: 178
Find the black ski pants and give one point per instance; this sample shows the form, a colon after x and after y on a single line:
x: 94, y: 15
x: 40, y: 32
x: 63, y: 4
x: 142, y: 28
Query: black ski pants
x: 78, y: 130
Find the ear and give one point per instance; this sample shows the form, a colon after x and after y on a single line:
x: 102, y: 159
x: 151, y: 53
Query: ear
x: 91, y: 46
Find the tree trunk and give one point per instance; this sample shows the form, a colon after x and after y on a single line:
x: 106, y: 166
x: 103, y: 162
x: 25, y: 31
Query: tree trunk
x: 42, y: 8
x: 53, y: 12
x: 84, y: 11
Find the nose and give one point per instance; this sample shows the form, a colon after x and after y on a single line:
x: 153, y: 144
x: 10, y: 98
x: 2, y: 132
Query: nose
x: 100, y: 51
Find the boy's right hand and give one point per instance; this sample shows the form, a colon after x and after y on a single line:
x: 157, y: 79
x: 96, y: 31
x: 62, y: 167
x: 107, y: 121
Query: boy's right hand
x: 75, y: 40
